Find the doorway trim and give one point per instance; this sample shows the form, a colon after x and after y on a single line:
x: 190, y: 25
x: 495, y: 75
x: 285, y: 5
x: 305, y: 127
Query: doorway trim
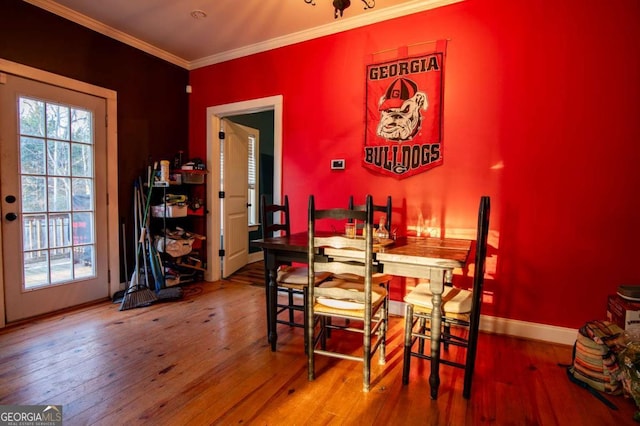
x: 110, y: 97
x: 214, y: 115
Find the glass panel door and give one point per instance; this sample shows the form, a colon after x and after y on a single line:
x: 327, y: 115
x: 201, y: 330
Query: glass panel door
x: 54, y: 199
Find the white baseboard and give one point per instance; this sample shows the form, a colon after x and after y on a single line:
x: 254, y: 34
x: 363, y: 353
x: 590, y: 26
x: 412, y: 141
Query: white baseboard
x: 516, y: 328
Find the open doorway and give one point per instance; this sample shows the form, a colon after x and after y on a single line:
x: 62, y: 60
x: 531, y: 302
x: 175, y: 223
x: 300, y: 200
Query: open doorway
x: 214, y: 116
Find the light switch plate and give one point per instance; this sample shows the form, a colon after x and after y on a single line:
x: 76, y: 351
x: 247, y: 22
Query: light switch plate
x: 337, y: 164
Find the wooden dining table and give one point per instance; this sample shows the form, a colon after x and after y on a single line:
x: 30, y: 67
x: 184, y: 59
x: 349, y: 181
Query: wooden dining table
x: 413, y: 257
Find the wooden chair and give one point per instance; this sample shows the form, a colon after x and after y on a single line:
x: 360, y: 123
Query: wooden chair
x: 380, y: 208
x: 291, y: 280
x: 354, y: 295
x: 460, y: 313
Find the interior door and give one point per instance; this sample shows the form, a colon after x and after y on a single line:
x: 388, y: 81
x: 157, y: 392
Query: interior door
x: 54, y: 202
x: 235, y: 224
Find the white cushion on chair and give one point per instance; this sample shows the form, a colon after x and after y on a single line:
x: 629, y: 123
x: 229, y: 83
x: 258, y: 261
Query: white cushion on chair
x: 347, y: 295
x: 298, y: 275
x: 454, y: 300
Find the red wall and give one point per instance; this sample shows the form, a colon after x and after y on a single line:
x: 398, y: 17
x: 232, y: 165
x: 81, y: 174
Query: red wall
x: 540, y: 112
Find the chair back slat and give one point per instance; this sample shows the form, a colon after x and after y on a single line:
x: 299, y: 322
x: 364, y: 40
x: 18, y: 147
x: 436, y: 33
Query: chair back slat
x: 338, y: 267
x: 268, y: 214
x: 341, y: 214
x: 341, y: 242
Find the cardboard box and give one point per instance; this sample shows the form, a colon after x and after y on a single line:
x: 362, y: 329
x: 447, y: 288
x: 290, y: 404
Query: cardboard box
x: 172, y: 210
x: 193, y: 177
x: 624, y: 313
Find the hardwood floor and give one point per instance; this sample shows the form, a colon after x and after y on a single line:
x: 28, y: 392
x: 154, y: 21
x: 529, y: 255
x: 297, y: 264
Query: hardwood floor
x: 204, y: 360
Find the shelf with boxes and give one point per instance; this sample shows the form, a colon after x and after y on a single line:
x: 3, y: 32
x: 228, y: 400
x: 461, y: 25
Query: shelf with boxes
x: 179, y: 225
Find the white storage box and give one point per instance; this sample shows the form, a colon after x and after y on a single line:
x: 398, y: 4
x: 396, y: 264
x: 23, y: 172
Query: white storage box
x: 171, y: 210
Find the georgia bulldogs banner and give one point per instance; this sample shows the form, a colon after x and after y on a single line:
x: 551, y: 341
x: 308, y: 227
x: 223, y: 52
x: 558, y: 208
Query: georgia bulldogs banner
x: 403, y: 134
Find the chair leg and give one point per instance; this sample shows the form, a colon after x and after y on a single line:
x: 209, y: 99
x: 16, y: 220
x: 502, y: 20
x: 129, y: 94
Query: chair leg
x: 305, y: 319
x: 408, y: 336
x: 382, y: 332
x: 366, y: 361
x: 291, y: 310
x: 445, y: 340
x: 471, y: 358
x: 309, y: 338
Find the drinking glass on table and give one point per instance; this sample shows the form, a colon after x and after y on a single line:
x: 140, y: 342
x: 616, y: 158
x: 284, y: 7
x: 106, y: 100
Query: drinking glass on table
x: 350, y: 230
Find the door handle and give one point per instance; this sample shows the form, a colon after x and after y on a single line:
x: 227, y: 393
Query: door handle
x: 11, y: 217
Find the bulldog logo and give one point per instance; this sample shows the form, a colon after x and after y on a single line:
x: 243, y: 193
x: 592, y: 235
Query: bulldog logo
x: 400, y: 107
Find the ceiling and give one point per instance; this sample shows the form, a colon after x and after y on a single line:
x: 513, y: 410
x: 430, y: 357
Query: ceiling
x: 230, y: 29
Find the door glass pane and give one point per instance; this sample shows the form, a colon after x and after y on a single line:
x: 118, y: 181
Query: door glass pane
x: 61, y: 269
x: 58, y: 158
x: 59, y: 194
x: 82, y: 194
x: 81, y: 126
x: 57, y: 182
x: 33, y: 159
x: 59, y: 230
x: 83, y: 228
x: 31, y: 117
x: 82, y: 155
x: 83, y: 259
x: 36, y: 267
x: 57, y: 121
x: 34, y: 190
x: 34, y: 232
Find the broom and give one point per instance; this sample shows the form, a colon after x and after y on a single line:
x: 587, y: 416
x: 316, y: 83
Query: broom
x: 138, y: 295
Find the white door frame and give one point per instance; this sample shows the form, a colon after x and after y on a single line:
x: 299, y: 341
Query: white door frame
x: 214, y: 114
x: 110, y: 97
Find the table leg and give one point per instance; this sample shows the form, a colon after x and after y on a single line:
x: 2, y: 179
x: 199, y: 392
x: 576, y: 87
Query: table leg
x: 437, y: 287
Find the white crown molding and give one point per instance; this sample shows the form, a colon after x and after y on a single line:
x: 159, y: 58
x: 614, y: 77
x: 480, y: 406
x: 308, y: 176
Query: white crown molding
x: 344, y: 24
x: 108, y: 31
x: 377, y: 15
